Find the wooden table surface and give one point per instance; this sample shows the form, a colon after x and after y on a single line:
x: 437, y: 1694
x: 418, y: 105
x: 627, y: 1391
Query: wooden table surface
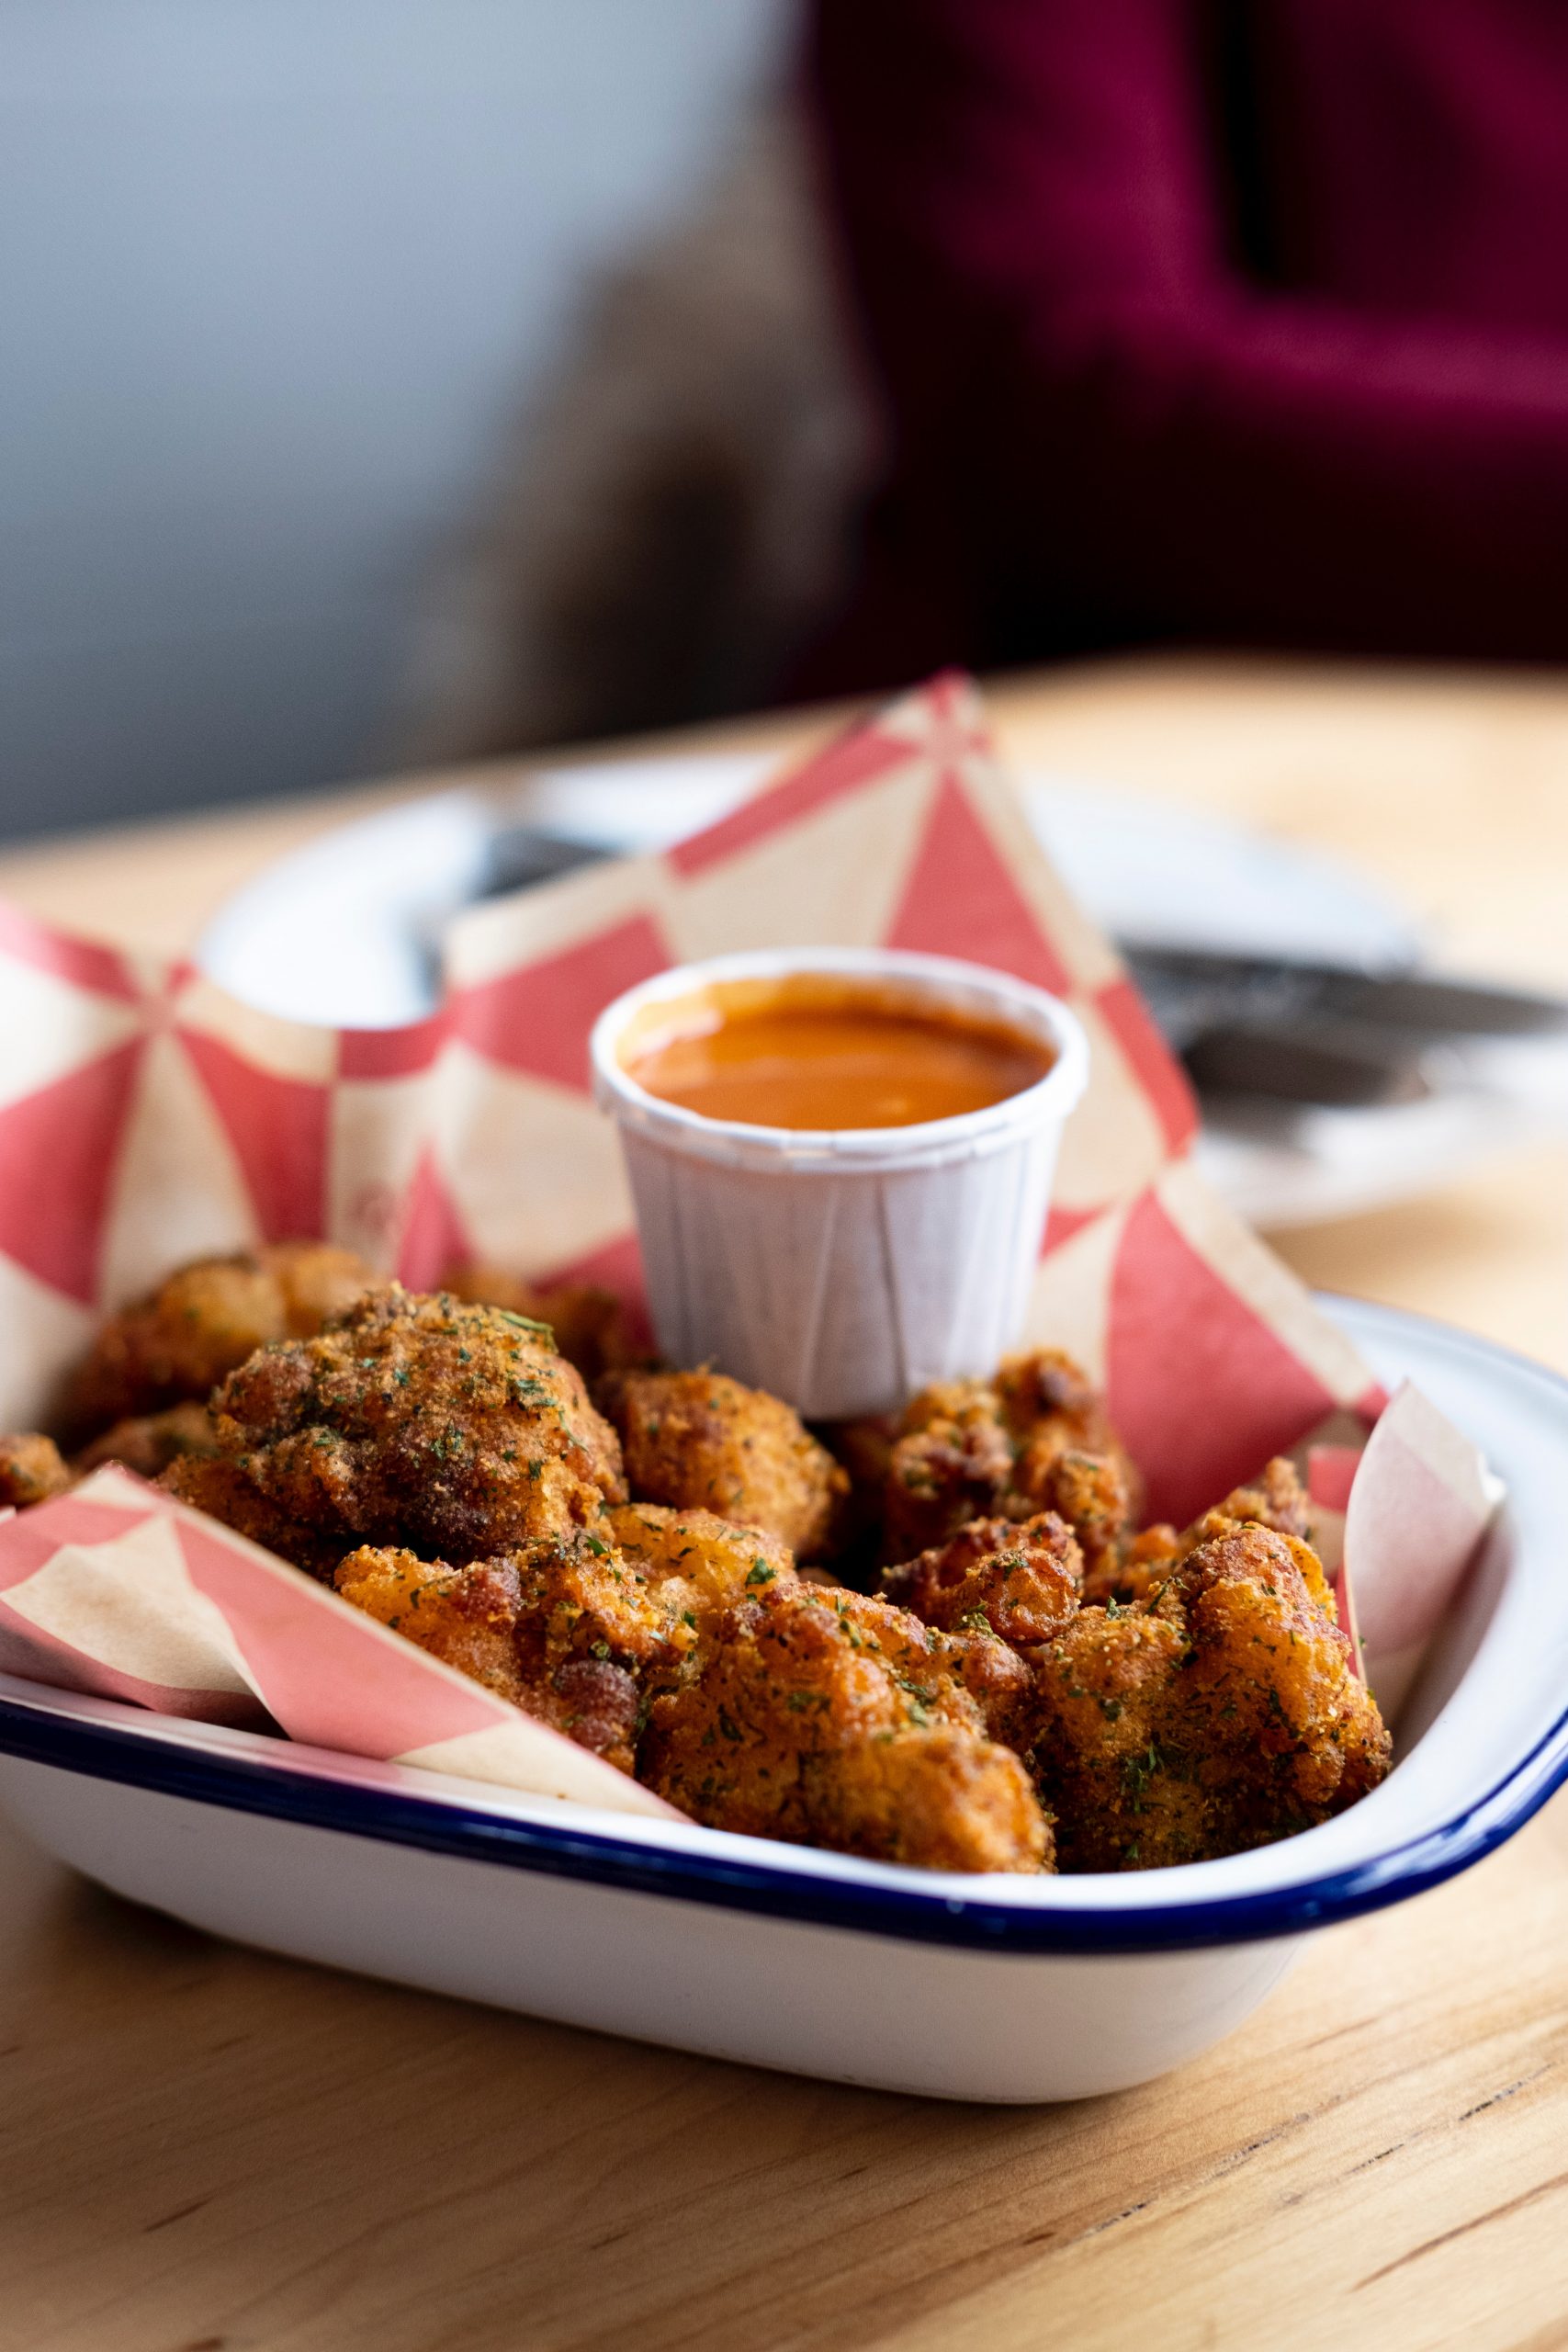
x: 204, y: 2150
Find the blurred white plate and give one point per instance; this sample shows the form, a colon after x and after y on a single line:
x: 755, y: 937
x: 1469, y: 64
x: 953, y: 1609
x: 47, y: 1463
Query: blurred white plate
x: 340, y: 932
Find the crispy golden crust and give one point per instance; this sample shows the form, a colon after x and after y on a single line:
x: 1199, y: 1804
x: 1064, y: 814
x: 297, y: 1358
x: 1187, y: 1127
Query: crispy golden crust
x: 174, y: 1345
x: 226, y: 1491
x: 1138, y: 1568
x: 590, y: 1325
x: 1091, y: 1493
x: 870, y: 1734
x: 443, y: 1465
x: 1221, y: 1716
x: 31, y: 1470
x: 1023, y: 1581
x: 150, y: 1441
x: 561, y: 1629
x: 717, y: 1558
x: 701, y: 1441
x: 1034, y: 1439
x: 415, y: 1422
x: 1043, y: 1393
x: 831, y: 1719
x: 1277, y: 1499
x: 951, y: 1462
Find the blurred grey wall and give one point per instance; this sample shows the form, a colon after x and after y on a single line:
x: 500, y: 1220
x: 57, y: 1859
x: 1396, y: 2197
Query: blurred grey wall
x: 273, y: 275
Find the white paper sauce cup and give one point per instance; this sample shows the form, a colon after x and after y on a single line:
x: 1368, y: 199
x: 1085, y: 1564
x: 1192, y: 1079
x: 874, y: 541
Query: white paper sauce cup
x: 843, y: 1270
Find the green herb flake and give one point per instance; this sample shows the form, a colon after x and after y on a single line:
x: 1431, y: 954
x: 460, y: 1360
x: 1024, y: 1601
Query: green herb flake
x: 528, y: 1323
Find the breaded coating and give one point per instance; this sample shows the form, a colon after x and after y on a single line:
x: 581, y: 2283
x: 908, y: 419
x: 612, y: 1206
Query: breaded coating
x: 150, y: 1441
x: 415, y: 1422
x: 174, y: 1345
x: 1048, y: 1400
x: 32, y: 1470
x: 224, y: 1489
x: 1146, y: 1562
x: 863, y: 1729
x: 1221, y: 1716
x: 1023, y: 1581
x: 716, y: 1558
x: 951, y: 1462
x: 1141, y: 1566
x: 1092, y: 1494
x: 1034, y: 1439
x: 834, y: 1720
x: 1277, y: 1499
x: 560, y: 1628
x: 590, y: 1325
x: 701, y: 1441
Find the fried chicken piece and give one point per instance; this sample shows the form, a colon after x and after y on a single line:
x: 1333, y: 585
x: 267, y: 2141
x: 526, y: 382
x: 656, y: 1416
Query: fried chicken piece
x: 32, y: 1470
x: 590, y: 1325
x: 701, y: 1441
x: 1277, y: 1499
x: 1145, y: 1564
x: 1034, y: 1439
x: 174, y: 1345
x: 414, y: 1423
x: 150, y: 1441
x: 716, y: 1558
x: 966, y: 1671
x: 560, y: 1628
x: 1092, y: 1494
x: 1023, y: 1581
x: 952, y: 1461
x: 1046, y: 1396
x: 224, y: 1489
x: 835, y: 1720
x: 1221, y: 1716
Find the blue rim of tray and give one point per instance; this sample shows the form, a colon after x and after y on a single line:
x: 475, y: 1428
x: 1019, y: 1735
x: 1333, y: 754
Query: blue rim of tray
x: 773, y: 1888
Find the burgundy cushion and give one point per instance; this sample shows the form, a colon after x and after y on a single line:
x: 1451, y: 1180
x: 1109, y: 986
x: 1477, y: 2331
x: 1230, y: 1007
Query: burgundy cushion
x: 1244, y: 322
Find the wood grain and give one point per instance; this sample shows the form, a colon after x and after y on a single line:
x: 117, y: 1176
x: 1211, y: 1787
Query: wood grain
x: 204, y: 2150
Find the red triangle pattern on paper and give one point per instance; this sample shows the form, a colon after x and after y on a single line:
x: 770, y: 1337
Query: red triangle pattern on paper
x: 854, y: 760
x: 538, y: 1019
x: 100, y: 970
x: 25, y: 1648
x: 961, y: 900
x: 1198, y: 1386
x: 378, y: 1055
x: 1061, y: 1224
x: 434, y: 1236
x: 347, y: 1686
x: 31, y: 1538
x: 1155, y: 1067
x: 278, y: 1127
x: 59, y: 1152
x: 953, y: 719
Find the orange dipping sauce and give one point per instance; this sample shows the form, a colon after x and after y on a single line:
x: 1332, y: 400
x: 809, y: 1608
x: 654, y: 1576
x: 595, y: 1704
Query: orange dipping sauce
x: 819, y: 1051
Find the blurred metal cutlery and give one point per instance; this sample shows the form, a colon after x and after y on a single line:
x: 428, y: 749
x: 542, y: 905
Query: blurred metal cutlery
x: 1325, y: 1033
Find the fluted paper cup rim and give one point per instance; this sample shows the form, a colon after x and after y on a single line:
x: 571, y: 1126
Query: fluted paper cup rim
x: 932, y: 1143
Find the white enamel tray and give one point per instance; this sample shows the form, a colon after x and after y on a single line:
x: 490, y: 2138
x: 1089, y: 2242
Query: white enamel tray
x: 996, y: 1989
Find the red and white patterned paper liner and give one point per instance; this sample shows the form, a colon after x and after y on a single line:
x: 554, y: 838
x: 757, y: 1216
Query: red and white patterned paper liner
x: 172, y: 1119
x: 117, y: 1589
x: 145, y: 1117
